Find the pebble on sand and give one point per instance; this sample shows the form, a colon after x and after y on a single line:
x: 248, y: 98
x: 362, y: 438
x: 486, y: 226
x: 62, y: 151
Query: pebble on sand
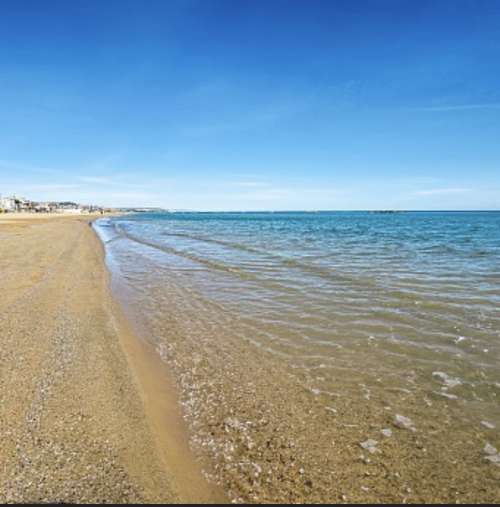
x: 492, y: 455
x: 405, y: 423
x: 370, y: 445
x: 490, y: 450
x: 488, y: 425
x: 446, y: 379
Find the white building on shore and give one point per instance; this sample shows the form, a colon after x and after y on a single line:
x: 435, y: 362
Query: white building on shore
x: 16, y: 204
x: 7, y: 204
x: 69, y: 208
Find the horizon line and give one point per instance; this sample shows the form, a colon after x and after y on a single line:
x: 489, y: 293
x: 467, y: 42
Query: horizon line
x: 386, y: 210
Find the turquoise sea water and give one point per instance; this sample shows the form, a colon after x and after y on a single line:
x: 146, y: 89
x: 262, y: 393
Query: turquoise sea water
x: 398, y: 310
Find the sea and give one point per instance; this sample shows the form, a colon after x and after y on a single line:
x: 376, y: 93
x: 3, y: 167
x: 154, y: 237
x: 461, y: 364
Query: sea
x: 322, y: 327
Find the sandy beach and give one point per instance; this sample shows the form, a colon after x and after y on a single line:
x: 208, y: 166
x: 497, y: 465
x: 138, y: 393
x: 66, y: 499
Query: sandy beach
x: 98, y: 406
x: 80, y: 415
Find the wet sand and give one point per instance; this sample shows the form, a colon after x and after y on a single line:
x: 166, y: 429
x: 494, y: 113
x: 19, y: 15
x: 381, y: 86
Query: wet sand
x: 87, y: 413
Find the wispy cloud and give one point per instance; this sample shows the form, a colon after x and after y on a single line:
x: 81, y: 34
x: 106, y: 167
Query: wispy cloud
x: 443, y: 191
x: 14, y: 167
x: 245, y: 112
x: 249, y: 184
x: 52, y: 187
x: 456, y: 107
x: 95, y: 180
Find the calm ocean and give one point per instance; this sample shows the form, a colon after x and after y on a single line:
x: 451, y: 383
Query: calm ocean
x: 395, y: 313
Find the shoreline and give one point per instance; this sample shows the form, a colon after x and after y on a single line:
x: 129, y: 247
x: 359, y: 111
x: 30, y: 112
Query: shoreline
x: 86, y: 414
x: 276, y: 430
x: 162, y: 408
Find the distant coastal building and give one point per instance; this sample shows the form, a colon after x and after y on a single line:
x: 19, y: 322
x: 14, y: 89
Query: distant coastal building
x: 69, y: 208
x: 44, y: 207
x: 21, y: 205
x: 24, y: 205
x: 16, y: 205
x: 7, y: 204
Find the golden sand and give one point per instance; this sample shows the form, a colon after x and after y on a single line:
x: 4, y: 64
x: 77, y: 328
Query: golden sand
x: 86, y: 411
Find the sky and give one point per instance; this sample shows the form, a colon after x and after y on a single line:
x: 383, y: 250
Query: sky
x: 252, y: 105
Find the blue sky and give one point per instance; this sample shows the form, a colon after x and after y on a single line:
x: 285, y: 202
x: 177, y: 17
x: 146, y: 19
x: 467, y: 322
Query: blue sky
x: 239, y: 104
